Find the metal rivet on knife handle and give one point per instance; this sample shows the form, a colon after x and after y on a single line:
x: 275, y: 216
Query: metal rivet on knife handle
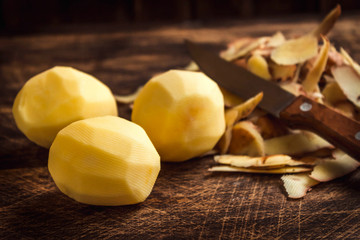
x: 357, y: 136
x: 305, y: 107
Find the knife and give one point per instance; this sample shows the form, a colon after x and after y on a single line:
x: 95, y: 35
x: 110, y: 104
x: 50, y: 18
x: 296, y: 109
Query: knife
x: 298, y: 112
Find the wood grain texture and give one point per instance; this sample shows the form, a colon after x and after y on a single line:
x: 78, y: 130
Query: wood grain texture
x: 187, y: 201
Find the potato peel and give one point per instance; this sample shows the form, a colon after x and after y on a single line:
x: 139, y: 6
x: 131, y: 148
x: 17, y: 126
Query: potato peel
x: 259, y: 66
x: 300, y: 67
x: 230, y: 99
x: 333, y: 94
x: 276, y: 40
x: 259, y: 170
x: 295, y: 144
x: 349, y: 82
x: 295, y: 51
x: 346, y: 108
x: 312, y: 79
x: 282, y: 72
x: 270, y: 127
x: 297, y: 185
x: 246, y: 48
x: 233, y: 48
x: 329, y: 169
x: 327, y: 24
x: 244, y: 109
x: 233, y: 115
x: 127, y: 99
x: 246, y: 140
x: 223, y: 144
x: 292, y: 87
x: 334, y: 59
x: 350, y: 61
x: 192, y: 66
x: 274, y: 161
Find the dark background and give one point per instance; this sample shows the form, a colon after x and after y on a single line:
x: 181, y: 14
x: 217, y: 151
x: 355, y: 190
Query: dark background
x: 29, y: 16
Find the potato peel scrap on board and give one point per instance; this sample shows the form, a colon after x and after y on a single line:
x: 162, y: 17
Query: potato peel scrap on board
x: 297, y: 185
x: 259, y: 170
x: 269, y: 162
x: 127, y: 99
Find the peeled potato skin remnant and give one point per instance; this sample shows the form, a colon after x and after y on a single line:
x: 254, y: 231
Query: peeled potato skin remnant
x: 104, y: 161
x: 57, y: 97
x: 182, y: 112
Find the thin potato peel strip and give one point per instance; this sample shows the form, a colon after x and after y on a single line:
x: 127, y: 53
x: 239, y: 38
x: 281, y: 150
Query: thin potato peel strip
x: 244, y: 51
x: 257, y: 170
x: 330, y: 169
x: 237, y: 46
x: 350, y: 61
x: 248, y: 107
x: 275, y: 161
x: 233, y: 115
x: 349, y: 82
x: 127, y: 99
x: 327, y: 24
x: 312, y: 79
x: 297, y: 185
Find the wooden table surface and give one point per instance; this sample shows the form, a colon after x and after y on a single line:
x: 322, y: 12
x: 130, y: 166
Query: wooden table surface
x: 187, y: 201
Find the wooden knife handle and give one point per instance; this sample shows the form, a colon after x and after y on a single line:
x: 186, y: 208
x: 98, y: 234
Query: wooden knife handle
x: 306, y: 114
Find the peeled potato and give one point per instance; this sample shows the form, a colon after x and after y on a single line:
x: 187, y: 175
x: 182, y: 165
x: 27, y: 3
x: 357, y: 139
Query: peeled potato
x: 104, y: 161
x: 182, y: 112
x: 57, y: 97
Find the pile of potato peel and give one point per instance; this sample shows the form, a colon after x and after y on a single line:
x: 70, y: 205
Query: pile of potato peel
x: 256, y: 142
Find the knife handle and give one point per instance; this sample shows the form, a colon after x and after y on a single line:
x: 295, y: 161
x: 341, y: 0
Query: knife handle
x: 306, y: 114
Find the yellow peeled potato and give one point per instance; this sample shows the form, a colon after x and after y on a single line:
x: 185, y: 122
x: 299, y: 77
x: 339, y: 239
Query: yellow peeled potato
x: 104, y: 161
x: 182, y: 112
x: 57, y: 97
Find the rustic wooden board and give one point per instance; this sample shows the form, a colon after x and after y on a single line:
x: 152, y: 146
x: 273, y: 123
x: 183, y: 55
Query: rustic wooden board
x: 187, y: 202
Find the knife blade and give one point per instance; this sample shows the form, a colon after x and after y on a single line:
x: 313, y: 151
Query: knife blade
x: 298, y: 112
